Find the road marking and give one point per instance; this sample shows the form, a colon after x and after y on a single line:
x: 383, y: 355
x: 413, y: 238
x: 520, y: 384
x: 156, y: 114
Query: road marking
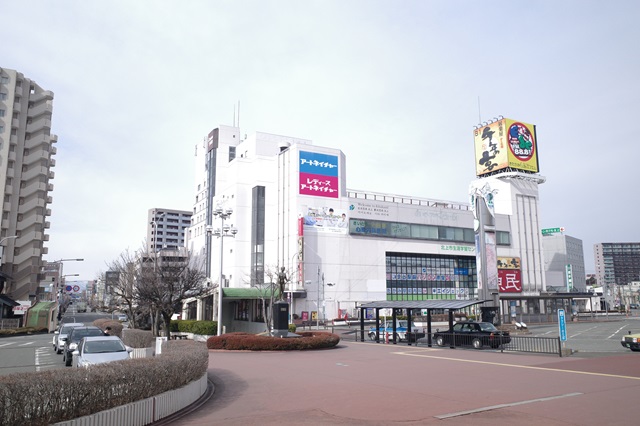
x: 5, y: 344
x: 581, y: 332
x: 512, y: 404
x: 530, y: 367
x: 27, y: 344
x: 617, y: 331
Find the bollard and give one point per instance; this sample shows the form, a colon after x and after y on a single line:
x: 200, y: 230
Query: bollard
x: 386, y: 338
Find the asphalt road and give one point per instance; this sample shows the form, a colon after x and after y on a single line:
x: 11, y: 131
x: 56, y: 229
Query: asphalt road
x: 35, y: 352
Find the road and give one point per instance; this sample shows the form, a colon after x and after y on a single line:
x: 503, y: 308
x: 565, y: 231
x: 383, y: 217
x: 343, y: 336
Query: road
x: 21, y: 354
x: 599, y: 338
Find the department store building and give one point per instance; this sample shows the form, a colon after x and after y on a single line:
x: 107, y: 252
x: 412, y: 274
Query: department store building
x: 341, y: 247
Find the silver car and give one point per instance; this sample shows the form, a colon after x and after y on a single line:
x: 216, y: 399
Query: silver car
x: 94, y: 350
x: 59, y: 336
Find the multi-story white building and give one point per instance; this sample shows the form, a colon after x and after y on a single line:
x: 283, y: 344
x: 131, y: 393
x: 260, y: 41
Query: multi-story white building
x: 342, y: 247
x: 26, y: 158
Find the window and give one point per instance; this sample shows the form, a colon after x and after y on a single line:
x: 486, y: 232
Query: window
x: 4, y: 79
x: 1, y: 113
x: 3, y: 96
x: 1, y: 128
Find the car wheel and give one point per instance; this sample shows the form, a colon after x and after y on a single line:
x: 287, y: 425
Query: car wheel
x: 58, y: 350
x: 476, y: 343
x: 635, y: 349
x: 67, y: 361
x: 440, y: 341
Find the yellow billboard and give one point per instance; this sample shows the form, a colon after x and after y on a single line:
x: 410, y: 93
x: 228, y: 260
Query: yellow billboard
x: 506, y: 144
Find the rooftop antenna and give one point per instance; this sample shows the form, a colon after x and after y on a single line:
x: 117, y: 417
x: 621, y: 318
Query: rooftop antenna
x: 234, y: 115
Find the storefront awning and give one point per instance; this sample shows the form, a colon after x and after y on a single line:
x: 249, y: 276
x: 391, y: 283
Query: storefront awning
x: 6, y: 300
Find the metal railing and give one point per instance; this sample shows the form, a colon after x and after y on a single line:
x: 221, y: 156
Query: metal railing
x: 512, y: 343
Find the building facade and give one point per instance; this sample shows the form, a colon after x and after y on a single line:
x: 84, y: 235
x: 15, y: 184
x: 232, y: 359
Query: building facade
x: 564, y: 263
x: 166, y: 229
x: 617, y: 263
x: 341, y: 247
x: 26, y: 160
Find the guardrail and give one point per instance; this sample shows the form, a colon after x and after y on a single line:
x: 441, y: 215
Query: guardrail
x: 530, y: 344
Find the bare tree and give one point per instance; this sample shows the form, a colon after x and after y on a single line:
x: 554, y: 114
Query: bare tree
x: 164, y: 285
x: 122, y: 283
x: 271, y: 290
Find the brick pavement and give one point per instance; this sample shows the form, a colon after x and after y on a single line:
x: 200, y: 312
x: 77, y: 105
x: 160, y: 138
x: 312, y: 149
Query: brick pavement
x: 363, y: 383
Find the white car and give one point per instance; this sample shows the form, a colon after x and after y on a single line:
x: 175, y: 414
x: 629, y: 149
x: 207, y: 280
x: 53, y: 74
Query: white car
x: 94, y: 350
x: 60, y: 335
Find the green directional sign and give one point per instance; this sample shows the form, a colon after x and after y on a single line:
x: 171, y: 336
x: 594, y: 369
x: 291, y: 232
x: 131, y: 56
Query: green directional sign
x: 551, y: 231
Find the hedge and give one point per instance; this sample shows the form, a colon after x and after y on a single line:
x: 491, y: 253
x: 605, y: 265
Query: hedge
x: 45, y: 397
x: 257, y: 342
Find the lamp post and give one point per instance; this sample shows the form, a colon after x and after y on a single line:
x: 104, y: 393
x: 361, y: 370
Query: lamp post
x: 223, y: 231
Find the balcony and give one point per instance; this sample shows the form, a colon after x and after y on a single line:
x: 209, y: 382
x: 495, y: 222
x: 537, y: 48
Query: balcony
x: 17, y: 107
x: 40, y: 109
x: 39, y: 123
x: 8, y: 189
x: 30, y: 205
x: 36, y: 157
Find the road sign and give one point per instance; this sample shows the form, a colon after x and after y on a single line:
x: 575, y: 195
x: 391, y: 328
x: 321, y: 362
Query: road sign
x: 551, y: 231
x: 562, y: 325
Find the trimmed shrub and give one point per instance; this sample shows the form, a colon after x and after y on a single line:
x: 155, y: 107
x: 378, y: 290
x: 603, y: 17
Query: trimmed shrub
x: 208, y: 328
x: 194, y: 326
x: 116, y: 326
x: 256, y: 342
x: 138, y: 338
x: 52, y: 396
x: 292, y: 328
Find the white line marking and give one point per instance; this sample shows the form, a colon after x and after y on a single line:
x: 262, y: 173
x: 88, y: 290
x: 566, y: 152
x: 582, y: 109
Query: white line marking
x: 617, y: 331
x: 512, y: 404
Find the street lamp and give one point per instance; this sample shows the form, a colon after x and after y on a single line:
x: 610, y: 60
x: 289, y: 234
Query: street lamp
x: 223, y: 231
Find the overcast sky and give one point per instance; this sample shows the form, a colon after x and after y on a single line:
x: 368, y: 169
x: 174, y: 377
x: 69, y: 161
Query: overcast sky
x: 396, y: 85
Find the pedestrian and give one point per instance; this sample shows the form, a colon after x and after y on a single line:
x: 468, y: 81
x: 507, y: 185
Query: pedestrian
x: 107, y: 331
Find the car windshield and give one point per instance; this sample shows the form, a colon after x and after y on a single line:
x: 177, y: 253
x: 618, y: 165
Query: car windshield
x: 487, y: 326
x: 102, y: 346
x: 66, y: 330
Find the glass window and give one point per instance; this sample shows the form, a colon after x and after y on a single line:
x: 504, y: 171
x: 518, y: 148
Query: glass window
x: 4, y: 79
x: 3, y: 96
x: 1, y: 113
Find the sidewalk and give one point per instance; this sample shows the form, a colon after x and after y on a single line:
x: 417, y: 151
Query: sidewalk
x: 373, y: 384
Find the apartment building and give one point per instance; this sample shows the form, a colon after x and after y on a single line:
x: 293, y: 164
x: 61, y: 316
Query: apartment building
x: 26, y: 161
x: 166, y: 229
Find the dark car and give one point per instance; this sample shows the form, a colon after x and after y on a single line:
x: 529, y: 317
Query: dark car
x: 476, y: 334
x: 74, y: 338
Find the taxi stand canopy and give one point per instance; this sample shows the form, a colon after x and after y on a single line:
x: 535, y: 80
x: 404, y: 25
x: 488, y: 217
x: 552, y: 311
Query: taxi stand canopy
x: 410, y: 305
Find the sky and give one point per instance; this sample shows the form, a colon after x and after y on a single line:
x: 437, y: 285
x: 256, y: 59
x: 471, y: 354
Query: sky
x: 398, y: 86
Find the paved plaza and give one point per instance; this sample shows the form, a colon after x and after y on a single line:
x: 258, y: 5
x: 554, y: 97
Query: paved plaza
x: 365, y: 383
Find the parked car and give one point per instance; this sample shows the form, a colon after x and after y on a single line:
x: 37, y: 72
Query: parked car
x: 60, y: 335
x: 74, y: 337
x: 94, y: 350
x: 387, y: 327
x: 634, y: 306
x: 122, y: 317
x: 631, y: 341
x: 476, y: 334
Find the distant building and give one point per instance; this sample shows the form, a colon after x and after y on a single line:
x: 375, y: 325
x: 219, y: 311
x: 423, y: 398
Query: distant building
x: 617, y: 263
x: 564, y: 263
x: 166, y: 229
x: 26, y: 158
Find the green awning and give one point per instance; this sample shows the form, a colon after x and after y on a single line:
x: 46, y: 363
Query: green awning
x: 249, y: 293
x: 41, y: 306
